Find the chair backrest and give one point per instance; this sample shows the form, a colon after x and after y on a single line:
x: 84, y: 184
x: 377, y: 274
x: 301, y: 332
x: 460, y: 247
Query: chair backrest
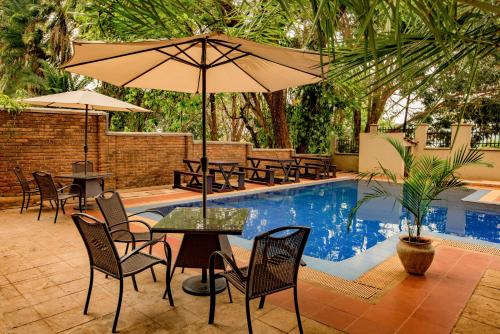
x: 100, y: 248
x: 25, y: 185
x: 112, y: 209
x: 275, y: 259
x: 79, y: 167
x: 46, y: 185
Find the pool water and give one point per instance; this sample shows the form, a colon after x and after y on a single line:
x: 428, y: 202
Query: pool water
x: 325, y: 209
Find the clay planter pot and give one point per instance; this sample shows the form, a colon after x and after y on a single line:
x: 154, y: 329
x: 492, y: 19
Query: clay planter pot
x: 416, y: 256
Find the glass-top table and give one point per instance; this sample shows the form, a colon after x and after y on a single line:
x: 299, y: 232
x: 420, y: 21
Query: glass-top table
x: 202, y: 237
x: 91, y: 183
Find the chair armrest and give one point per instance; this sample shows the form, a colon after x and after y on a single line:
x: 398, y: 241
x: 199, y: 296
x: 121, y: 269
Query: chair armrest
x: 143, y: 223
x: 147, y: 211
x: 168, y: 251
x: 127, y: 231
x: 72, y: 185
x: 226, y: 260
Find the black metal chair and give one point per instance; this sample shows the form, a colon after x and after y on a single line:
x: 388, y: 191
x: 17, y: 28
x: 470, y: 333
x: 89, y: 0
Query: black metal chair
x: 273, y: 267
x: 116, y: 218
x: 79, y: 167
x: 25, y: 187
x: 104, y: 257
x: 50, y: 192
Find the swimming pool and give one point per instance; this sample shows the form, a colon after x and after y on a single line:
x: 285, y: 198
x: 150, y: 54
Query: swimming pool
x: 325, y: 208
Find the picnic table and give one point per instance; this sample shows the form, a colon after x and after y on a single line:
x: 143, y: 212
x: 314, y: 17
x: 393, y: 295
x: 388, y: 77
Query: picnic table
x: 322, y: 160
x: 91, y: 183
x: 201, y: 238
x: 226, y: 168
x: 285, y: 165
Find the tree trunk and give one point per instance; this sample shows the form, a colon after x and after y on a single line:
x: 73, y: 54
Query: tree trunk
x: 212, y: 119
x: 357, y: 123
x: 276, y: 102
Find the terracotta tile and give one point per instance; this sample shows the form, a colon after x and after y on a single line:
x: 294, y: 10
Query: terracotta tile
x: 350, y: 305
x: 334, y: 317
x: 387, y: 319
x: 419, y: 326
x: 364, y: 326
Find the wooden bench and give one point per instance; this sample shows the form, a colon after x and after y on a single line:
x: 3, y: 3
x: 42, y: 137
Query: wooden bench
x: 332, y: 169
x: 194, y: 184
x: 267, y: 180
x: 294, y: 172
x: 219, y: 186
x: 311, y: 171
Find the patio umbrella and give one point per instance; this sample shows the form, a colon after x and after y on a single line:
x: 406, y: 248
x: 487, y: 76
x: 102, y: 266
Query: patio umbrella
x: 83, y: 99
x: 208, y: 63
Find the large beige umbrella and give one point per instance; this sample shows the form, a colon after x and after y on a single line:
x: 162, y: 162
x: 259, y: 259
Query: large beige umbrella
x: 83, y: 99
x: 198, y: 64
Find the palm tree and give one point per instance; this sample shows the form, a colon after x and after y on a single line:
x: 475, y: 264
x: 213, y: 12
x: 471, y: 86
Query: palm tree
x: 425, y: 179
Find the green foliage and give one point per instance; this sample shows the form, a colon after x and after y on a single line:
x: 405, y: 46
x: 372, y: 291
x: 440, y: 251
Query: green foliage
x: 11, y: 105
x: 425, y: 179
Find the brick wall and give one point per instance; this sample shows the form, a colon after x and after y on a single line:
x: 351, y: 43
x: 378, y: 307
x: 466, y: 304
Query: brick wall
x: 48, y: 140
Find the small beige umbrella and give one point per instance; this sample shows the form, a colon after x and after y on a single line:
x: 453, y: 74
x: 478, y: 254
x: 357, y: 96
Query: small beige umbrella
x: 198, y: 64
x: 83, y: 99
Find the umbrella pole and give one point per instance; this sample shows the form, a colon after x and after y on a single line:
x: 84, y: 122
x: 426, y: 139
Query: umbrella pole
x: 85, y: 147
x: 204, y: 159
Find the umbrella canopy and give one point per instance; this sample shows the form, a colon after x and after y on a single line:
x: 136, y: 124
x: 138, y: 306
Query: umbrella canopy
x: 83, y: 99
x: 208, y: 63
x: 233, y: 64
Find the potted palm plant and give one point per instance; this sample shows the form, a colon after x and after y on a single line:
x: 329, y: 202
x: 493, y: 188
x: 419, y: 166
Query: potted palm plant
x: 425, y: 178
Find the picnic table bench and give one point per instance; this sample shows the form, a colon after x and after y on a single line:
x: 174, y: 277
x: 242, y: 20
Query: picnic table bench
x: 226, y: 168
x: 321, y: 161
x: 284, y: 165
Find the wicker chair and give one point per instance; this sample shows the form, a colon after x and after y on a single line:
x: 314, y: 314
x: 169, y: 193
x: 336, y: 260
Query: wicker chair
x: 50, y: 192
x: 25, y: 187
x: 273, y: 267
x: 79, y: 167
x: 104, y: 257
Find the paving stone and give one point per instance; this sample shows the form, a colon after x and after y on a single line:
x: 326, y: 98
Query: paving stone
x: 21, y: 317
x: 487, y: 291
x: 482, y: 309
x: 36, y: 327
x: 280, y: 319
x: 469, y: 326
x: 311, y: 326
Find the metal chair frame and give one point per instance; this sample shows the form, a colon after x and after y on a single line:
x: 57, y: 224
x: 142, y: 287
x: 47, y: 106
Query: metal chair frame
x: 25, y: 187
x: 49, y: 191
x: 116, y: 260
x: 247, y: 279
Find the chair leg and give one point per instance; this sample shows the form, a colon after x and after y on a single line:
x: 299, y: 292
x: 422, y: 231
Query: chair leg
x: 229, y: 291
x: 57, y: 211
x: 22, y: 206
x: 28, y: 202
x: 117, y: 314
x: 249, y: 319
x: 168, y: 291
x: 296, y: 301
x: 153, y: 274
x: 62, y: 207
x: 135, y: 283
x: 40, y: 210
x: 51, y: 204
x: 262, y: 301
x: 126, y: 248
x: 89, y: 292
x: 211, y: 315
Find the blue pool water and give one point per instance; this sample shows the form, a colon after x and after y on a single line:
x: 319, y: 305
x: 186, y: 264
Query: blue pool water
x: 325, y: 209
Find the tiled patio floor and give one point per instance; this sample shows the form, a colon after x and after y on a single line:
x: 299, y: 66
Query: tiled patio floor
x: 44, y: 277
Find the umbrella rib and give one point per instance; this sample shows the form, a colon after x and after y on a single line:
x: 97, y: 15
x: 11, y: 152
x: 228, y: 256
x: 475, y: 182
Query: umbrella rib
x: 273, y: 61
x: 225, y: 54
x: 180, y: 60
x: 126, y: 54
x: 241, y: 69
x: 184, y: 52
x: 152, y: 68
x: 229, y: 60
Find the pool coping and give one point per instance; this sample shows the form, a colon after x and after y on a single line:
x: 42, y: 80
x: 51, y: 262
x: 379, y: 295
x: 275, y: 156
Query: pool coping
x: 349, y: 269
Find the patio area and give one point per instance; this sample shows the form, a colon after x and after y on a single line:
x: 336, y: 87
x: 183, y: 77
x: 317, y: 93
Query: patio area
x: 44, y: 277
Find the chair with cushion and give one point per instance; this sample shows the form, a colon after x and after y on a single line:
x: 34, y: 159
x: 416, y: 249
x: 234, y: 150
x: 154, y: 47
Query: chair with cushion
x: 27, y: 186
x: 50, y: 192
x: 273, y: 267
x: 104, y: 257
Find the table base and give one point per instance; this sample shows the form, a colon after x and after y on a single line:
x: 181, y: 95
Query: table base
x: 195, y: 286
